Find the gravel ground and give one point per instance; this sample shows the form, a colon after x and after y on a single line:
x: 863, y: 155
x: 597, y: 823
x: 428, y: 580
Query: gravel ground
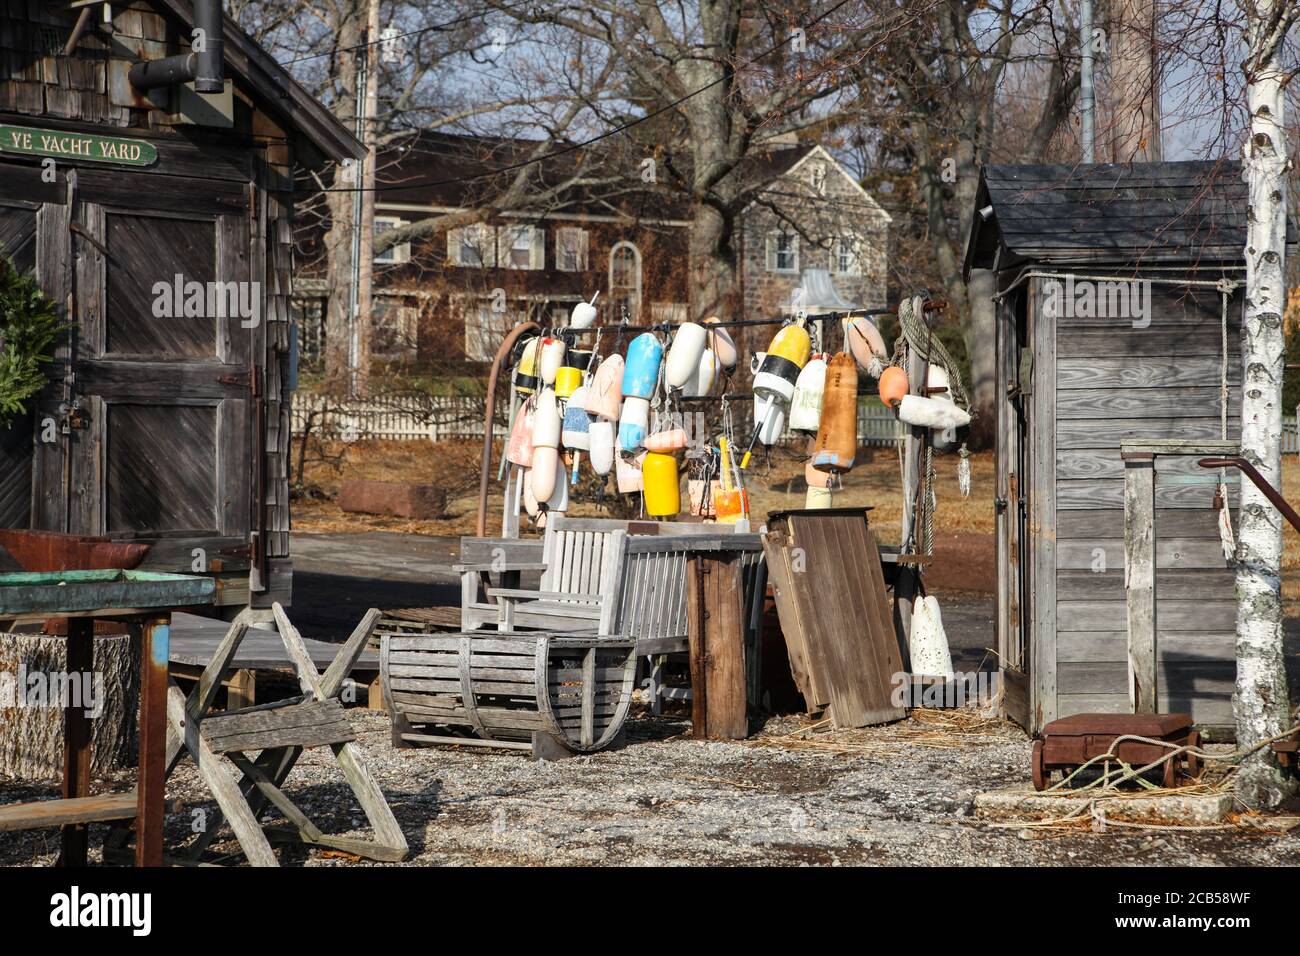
x: 898, y: 795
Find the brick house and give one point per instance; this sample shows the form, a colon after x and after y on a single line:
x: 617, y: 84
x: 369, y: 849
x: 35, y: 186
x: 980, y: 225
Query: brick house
x: 454, y: 294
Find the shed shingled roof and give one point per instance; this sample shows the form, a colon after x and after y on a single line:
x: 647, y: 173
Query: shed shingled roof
x: 1185, y: 212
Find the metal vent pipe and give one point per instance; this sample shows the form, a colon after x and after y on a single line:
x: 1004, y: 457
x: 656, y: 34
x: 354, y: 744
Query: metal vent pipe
x: 206, y: 67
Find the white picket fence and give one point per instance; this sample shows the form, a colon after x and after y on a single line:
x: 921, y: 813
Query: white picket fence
x: 410, y: 417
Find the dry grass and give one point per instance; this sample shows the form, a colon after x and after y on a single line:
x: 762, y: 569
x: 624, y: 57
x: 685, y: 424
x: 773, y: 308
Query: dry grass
x: 933, y: 729
x: 775, y: 482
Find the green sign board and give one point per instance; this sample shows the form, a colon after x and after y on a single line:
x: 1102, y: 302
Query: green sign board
x: 83, y: 147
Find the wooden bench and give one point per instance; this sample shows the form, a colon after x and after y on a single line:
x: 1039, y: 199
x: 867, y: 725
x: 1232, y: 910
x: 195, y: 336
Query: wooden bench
x: 548, y: 690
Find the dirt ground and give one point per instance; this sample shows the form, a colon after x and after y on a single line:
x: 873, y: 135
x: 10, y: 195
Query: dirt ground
x: 896, y: 795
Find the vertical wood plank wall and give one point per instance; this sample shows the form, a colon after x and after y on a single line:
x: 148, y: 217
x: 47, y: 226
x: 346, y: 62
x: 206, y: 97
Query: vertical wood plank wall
x: 1109, y: 381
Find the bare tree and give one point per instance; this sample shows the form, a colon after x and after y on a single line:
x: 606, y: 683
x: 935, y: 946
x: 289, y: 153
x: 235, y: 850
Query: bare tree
x: 1262, y: 707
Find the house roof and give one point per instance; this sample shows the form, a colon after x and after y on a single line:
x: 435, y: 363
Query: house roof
x: 447, y: 170
x: 1109, y: 212
x: 279, y: 93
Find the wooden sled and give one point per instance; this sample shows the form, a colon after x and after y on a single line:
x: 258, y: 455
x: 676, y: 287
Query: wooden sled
x: 551, y: 694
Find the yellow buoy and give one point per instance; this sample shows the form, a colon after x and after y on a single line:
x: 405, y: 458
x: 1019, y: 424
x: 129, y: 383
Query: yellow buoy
x: 662, y: 488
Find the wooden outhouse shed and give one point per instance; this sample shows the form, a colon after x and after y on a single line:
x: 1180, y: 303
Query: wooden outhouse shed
x: 1118, y: 311
x: 159, y: 218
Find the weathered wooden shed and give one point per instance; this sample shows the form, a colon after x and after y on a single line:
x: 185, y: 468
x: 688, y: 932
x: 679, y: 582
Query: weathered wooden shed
x: 1119, y: 298
x: 168, y: 420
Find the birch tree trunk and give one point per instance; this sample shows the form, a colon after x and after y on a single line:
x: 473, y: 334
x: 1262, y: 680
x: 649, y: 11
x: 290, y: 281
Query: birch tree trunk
x: 1260, y: 703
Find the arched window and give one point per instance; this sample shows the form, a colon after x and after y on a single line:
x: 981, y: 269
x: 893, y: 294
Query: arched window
x: 625, y: 280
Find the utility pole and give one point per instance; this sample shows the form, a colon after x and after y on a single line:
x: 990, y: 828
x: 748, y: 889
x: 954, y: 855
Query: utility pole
x: 363, y: 211
x: 1086, y: 99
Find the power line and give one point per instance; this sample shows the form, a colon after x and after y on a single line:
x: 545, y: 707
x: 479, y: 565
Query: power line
x: 412, y: 33
x: 573, y: 147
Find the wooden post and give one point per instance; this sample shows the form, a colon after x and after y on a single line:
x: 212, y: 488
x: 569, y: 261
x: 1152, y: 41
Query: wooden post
x: 153, y: 741
x: 241, y: 689
x: 716, y: 629
x: 1140, y: 578
x: 76, y: 734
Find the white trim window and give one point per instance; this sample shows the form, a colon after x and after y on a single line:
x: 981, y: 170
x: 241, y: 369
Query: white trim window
x: 571, y: 249
x: 846, y: 258
x: 485, y: 328
x: 625, y: 279
x: 472, y: 246
x: 393, y: 255
x: 817, y: 177
x: 521, y: 247
x: 782, y: 252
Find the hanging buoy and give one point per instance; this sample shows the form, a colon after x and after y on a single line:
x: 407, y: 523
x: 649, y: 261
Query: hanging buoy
x: 818, y: 498
x: 530, y: 500
x: 632, y: 424
x: 519, y: 447
x: 546, y: 459
x: 721, y: 343
x: 769, y: 420
x: 837, y: 438
x: 806, y: 406
x: 627, y: 472
x: 525, y: 377
x: 584, y: 313
x: 930, y: 413
x: 815, y: 478
x: 605, y: 394
x: 663, y: 495
x: 550, y: 358
x: 893, y: 385
x: 546, y: 421
x: 559, y: 497
x: 683, y: 362
x: 641, y: 372
x: 705, y: 375
x: 867, y: 345
x: 575, y: 432
x: 567, y: 381
x: 939, y: 389
x: 667, y: 441
x: 601, y: 435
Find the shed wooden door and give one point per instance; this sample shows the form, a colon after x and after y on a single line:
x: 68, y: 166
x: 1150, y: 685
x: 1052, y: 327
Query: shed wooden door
x: 161, y: 443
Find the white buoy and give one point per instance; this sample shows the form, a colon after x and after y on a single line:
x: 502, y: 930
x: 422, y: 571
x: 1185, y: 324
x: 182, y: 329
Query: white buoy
x: 931, y: 413
x: 818, y: 498
x: 546, y: 421
x: 601, y: 453
x: 542, y: 475
x: 683, y: 363
x: 927, y: 642
x: 771, y: 414
x: 806, y: 406
x: 705, y: 376
x: 530, y: 499
x: 584, y: 314
x: 550, y: 359
x: 559, y: 497
x: 633, y: 422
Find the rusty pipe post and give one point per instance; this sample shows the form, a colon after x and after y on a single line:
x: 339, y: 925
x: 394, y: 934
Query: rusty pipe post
x: 485, y: 470
x: 1247, y: 469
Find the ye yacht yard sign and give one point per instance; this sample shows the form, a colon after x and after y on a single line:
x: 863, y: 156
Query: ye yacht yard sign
x: 87, y: 147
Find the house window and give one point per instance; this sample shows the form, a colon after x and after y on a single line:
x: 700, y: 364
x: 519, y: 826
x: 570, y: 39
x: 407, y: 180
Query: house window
x: 485, y: 328
x: 819, y: 178
x: 472, y: 246
x: 782, y: 252
x: 571, y: 249
x: 673, y: 313
x: 393, y: 254
x: 522, y: 247
x: 844, y: 257
x: 625, y: 280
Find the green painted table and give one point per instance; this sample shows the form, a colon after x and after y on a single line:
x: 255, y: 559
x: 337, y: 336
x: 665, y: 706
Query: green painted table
x: 79, y: 597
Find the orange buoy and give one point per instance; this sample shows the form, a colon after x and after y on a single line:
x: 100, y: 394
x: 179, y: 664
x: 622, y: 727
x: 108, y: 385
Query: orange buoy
x: 893, y: 385
x: 837, y: 437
